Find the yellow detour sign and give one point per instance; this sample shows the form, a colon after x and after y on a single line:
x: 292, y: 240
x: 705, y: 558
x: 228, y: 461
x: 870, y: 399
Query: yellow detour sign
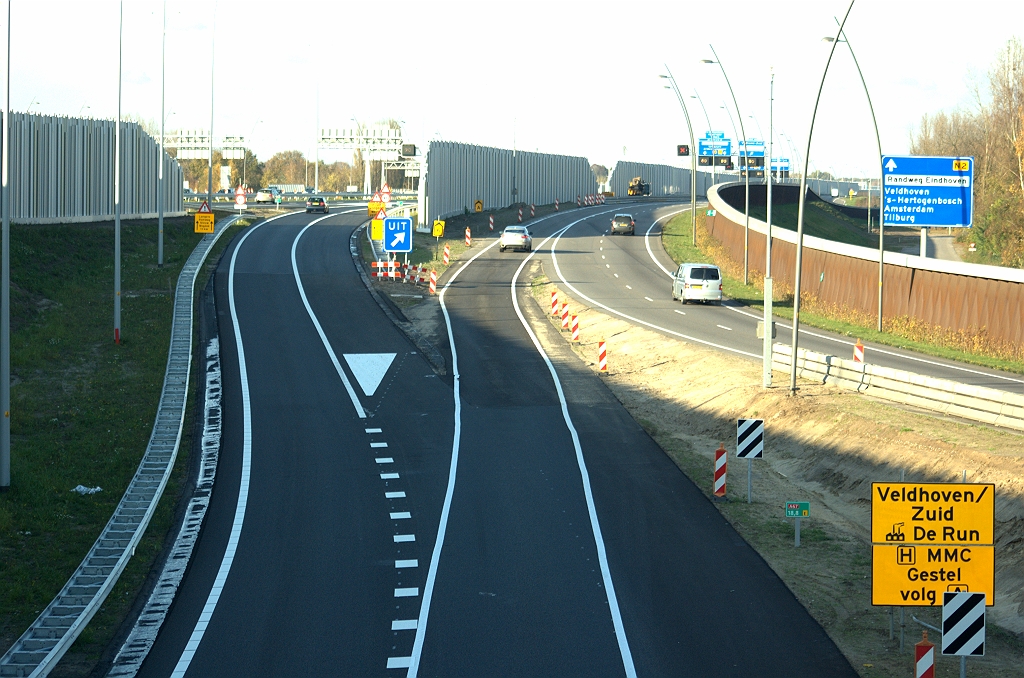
x: 932, y: 513
x: 930, y: 538
x: 377, y: 229
x: 478, y: 206
x: 438, y: 231
x: 918, y: 575
x: 204, y: 219
x: 373, y: 207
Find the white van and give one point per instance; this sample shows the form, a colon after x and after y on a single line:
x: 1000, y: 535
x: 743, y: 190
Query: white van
x: 697, y: 282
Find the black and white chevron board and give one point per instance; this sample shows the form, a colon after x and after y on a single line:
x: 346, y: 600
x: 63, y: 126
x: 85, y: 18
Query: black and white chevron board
x: 749, y: 438
x: 963, y: 624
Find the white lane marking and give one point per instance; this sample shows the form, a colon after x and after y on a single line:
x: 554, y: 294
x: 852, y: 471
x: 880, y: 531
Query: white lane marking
x: 378, y: 444
x: 724, y: 327
x: 403, y: 564
x: 680, y: 312
x: 600, y: 248
x: 243, y: 488
x: 316, y: 323
x: 647, y: 240
x: 628, y: 287
x: 403, y: 625
x: 369, y: 369
x: 407, y: 593
x: 388, y: 476
x: 372, y: 430
x: 384, y: 460
x: 394, y: 495
x: 442, y: 526
x: 607, y: 266
x: 602, y: 256
x: 402, y: 538
x: 554, y: 259
x: 648, y: 299
x: 399, y: 662
x: 400, y: 515
x: 616, y: 275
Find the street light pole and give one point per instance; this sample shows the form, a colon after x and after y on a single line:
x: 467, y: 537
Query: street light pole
x: 693, y: 156
x: 117, y: 183
x: 160, y: 156
x: 213, y: 55
x: 800, y: 215
x: 746, y: 173
x: 316, y: 170
x: 881, y: 171
x: 768, y: 282
x: 696, y: 96
x: 5, y: 273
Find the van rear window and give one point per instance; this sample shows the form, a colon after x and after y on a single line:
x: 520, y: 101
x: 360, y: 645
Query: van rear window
x: 697, y: 273
x: 711, y: 274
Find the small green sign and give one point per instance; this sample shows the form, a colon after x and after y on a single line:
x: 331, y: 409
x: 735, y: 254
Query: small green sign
x: 710, y: 213
x: 798, y: 509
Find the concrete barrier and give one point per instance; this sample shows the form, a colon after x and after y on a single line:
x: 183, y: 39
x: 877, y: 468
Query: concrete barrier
x: 976, y: 403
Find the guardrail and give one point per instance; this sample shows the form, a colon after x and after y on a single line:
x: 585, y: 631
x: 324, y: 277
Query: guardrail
x: 976, y: 403
x: 39, y: 649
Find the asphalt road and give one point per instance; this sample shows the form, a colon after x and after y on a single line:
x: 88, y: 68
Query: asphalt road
x: 630, y: 277
x: 322, y: 567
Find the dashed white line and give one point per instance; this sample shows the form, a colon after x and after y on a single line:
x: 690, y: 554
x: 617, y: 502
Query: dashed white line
x: 602, y: 256
x: 680, y: 312
x: 403, y: 538
x: 648, y: 299
x: 616, y: 275
x: 607, y: 265
x: 372, y: 430
x: 378, y: 444
x: 388, y: 476
x: 399, y: 662
x: 384, y: 460
x: 403, y: 564
x: 394, y: 495
x: 628, y: 287
x: 400, y: 515
x: 724, y: 327
x: 407, y: 593
x: 403, y: 625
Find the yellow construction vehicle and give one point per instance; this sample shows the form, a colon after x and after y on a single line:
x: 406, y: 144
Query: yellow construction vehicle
x: 638, y: 187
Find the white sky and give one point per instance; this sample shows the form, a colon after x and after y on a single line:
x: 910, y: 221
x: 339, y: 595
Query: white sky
x: 567, y: 77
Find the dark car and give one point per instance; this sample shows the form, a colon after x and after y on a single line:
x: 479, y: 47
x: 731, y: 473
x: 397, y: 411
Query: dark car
x: 623, y: 223
x: 316, y: 205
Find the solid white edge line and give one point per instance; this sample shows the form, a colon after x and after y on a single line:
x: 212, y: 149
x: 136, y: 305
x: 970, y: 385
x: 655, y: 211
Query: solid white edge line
x: 316, y: 323
x: 243, y: 488
x: 442, y: 527
x: 595, y: 525
x: 924, y: 361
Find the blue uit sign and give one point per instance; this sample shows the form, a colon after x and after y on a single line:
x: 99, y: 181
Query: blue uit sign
x: 751, y: 148
x: 398, y: 234
x: 925, y: 191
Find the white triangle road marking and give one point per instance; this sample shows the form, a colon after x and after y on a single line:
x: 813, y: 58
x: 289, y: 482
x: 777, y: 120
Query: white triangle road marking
x: 369, y: 368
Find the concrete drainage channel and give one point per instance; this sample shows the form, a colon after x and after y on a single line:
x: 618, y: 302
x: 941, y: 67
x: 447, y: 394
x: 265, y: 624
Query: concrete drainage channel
x: 41, y: 647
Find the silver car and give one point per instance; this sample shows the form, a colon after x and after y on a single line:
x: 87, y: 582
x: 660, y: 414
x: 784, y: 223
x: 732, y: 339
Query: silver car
x: 516, y: 237
x: 697, y: 282
x: 265, y: 195
x: 623, y: 223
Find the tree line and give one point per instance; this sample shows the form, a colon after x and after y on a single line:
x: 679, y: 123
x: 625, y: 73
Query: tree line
x: 992, y: 131
x: 285, y: 167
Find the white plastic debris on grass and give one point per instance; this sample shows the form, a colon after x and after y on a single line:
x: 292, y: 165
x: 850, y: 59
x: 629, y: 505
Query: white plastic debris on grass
x: 83, y: 490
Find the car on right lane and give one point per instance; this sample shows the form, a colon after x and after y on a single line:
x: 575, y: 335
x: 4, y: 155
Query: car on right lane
x: 697, y: 282
x: 516, y: 237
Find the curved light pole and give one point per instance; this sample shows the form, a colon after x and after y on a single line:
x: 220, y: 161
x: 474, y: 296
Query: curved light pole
x: 881, y: 171
x: 746, y: 199
x: 5, y: 272
x: 733, y: 124
x: 117, y: 182
x: 693, y: 156
x: 160, y: 155
x: 696, y: 96
x: 800, y: 215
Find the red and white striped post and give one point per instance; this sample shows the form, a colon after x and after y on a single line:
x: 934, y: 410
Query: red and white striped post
x: 858, y: 352
x: 490, y: 222
x: 520, y: 214
x: 447, y: 256
x: 565, y: 315
x: 602, y: 357
x: 924, y: 658
x: 554, y: 302
x: 533, y: 211
x: 575, y: 328
x: 556, y: 204
x: 720, y: 464
x: 433, y: 281
x: 577, y: 200
x: 469, y: 237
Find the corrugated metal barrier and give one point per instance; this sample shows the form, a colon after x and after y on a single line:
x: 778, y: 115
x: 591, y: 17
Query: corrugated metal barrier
x: 62, y: 171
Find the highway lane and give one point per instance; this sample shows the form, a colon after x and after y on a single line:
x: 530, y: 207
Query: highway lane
x: 573, y: 546
x: 322, y: 563
x: 630, y: 276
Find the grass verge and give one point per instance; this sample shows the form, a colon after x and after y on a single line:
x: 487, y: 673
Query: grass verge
x: 902, y: 332
x: 83, y: 409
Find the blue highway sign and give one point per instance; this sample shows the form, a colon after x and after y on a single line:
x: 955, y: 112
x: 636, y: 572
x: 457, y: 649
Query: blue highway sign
x: 925, y: 191
x: 714, y: 147
x: 780, y: 164
x: 753, y: 147
x: 398, y: 234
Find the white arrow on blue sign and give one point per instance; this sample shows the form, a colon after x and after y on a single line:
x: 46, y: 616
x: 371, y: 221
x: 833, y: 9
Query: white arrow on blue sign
x: 398, y: 234
x: 923, y: 191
